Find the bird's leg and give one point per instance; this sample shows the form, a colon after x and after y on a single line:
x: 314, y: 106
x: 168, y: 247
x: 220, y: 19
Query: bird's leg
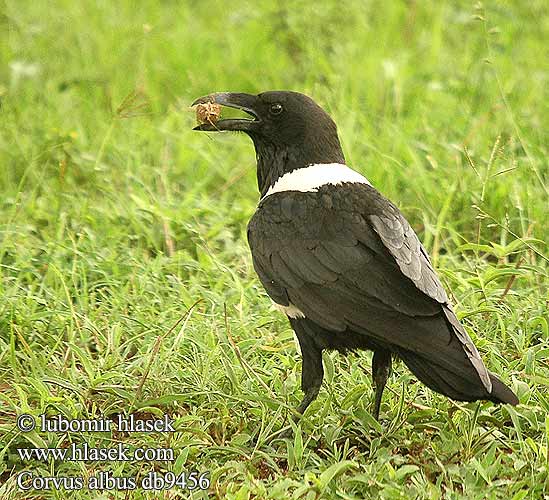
x: 312, y: 374
x: 312, y: 371
x: 381, y: 369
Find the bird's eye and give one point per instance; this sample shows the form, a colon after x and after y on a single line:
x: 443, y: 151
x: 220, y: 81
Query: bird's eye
x: 276, y: 108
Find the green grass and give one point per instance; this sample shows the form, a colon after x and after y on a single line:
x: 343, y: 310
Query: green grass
x: 117, y: 221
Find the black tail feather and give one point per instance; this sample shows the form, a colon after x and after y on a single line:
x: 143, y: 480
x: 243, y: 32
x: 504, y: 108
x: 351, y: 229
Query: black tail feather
x: 464, y: 385
x: 501, y: 393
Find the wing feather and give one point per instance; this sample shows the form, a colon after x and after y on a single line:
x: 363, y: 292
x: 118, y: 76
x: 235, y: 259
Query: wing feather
x: 403, y: 244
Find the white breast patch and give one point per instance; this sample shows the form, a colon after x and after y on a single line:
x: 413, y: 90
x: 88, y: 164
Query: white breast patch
x: 290, y: 311
x: 311, y: 178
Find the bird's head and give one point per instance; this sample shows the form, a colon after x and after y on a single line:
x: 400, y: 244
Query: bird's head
x: 289, y: 130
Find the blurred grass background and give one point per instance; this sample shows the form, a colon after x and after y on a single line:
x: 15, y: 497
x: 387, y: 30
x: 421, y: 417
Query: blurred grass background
x: 115, y: 219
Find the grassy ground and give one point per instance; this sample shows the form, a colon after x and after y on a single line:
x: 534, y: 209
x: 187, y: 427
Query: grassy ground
x: 125, y: 279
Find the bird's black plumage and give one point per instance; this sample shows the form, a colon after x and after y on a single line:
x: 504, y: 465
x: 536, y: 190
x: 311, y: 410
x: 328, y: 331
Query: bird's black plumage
x: 343, y: 261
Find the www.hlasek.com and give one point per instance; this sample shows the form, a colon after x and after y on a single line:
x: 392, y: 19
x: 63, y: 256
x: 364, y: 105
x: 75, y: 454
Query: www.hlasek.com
x: 153, y: 480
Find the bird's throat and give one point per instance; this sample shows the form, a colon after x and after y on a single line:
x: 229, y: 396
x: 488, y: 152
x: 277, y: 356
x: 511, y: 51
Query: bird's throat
x: 273, y: 161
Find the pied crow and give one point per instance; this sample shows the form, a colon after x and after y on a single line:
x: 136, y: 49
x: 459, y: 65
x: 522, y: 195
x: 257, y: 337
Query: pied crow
x: 341, y: 261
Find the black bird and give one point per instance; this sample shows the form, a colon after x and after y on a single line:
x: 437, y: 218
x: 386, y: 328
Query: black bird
x: 341, y: 261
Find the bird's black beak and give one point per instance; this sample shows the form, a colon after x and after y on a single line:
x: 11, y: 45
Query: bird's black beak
x: 244, y: 102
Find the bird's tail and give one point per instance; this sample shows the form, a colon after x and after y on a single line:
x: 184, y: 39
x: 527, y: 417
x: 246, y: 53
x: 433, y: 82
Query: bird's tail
x: 462, y: 385
x: 501, y: 393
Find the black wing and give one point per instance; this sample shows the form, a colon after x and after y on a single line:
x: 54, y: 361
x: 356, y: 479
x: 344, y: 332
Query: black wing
x: 348, y: 259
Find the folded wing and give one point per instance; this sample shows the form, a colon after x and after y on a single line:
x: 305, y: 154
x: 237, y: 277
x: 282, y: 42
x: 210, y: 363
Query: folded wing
x: 353, y: 262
